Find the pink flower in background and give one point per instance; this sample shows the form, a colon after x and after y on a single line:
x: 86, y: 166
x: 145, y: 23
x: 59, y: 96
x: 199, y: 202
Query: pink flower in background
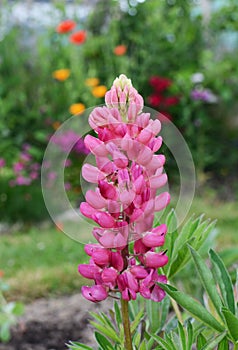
x: 18, y: 167
x: 70, y: 140
x: 2, y: 162
x: 125, y: 198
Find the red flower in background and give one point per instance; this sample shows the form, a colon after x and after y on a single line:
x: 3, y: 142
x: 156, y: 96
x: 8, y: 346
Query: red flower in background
x: 160, y: 97
x: 159, y: 83
x: 171, y: 101
x: 78, y: 38
x: 155, y: 100
x: 66, y: 26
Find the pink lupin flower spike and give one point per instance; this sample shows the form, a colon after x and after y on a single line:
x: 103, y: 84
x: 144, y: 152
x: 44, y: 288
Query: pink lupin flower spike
x: 128, y: 173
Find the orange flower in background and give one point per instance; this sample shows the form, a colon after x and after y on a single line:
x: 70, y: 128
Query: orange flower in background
x: 92, y: 82
x: 1, y: 273
x: 59, y: 226
x: 77, y: 108
x: 56, y: 125
x: 120, y: 50
x: 99, y: 91
x: 65, y: 26
x: 78, y: 38
x: 61, y: 74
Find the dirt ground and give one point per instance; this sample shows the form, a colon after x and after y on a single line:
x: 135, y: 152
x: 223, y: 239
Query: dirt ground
x: 48, y: 324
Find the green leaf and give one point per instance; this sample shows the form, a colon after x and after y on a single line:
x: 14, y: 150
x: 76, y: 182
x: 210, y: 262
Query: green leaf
x: 202, y: 235
x: 143, y: 345
x: 192, y: 306
x: 182, y: 336
x: 190, y: 335
x: 224, y: 281
x: 171, y: 221
x: 207, y: 280
x: 103, y: 342
x: 5, y: 332
x: 18, y: 309
x: 136, y: 321
x: 210, y: 345
x: 136, y: 339
x: 232, y: 323
x: 165, y: 304
x: 108, y: 332
x: 201, y: 341
x: 164, y: 344
x: 78, y: 346
x: 183, y: 236
x: 118, y: 313
x: 180, y: 260
x: 223, y: 345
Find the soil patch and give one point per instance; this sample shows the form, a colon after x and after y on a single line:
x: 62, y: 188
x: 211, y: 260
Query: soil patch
x: 49, y: 324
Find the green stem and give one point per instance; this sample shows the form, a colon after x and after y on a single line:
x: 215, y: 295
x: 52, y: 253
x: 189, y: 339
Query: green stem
x: 177, y: 311
x: 126, y: 324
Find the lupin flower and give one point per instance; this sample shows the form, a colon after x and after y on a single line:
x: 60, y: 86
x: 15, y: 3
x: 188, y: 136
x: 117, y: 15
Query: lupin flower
x: 128, y: 173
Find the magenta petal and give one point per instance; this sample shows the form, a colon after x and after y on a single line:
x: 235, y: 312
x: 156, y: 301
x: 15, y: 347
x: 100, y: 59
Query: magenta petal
x: 87, y: 210
x: 95, y: 199
x: 153, y: 240
x: 145, y: 156
x: 161, y: 201
x: 91, y: 173
x: 160, y: 230
x: 105, y: 220
x: 139, y: 272
x: 155, y: 260
x: 95, y: 293
x: 107, y: 190
x: 101, y: 257
x: 88, y: 271
x: 158, y: 181
x: 109, y: 275
x: 157, y: 294
x: 117, y: 261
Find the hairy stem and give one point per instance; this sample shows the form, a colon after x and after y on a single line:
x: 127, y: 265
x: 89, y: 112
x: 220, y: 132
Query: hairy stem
x: 126, y: 324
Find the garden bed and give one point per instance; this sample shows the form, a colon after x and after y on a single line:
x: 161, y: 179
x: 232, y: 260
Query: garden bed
x: 48, y: 324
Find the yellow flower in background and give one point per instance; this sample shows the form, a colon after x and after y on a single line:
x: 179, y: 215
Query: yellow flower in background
x: 56, y: 125
x: 77, y: 108
x: 92, y: 82
x: 61, y: 74
x: 99, y: 91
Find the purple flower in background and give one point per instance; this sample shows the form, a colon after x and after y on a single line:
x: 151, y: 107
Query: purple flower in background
x: 22, y: 180
x: 204, y: 95
x: 18, y: 167
x: 2, y: 162
x: 25, y: 157
x: 70, y: 140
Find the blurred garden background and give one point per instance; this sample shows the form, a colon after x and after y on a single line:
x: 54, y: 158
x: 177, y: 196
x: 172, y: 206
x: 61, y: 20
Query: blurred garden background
x: 59, y: 58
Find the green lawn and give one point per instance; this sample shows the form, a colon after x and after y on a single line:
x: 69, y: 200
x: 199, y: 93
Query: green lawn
x: 40, y: 262
x: 44, y: 261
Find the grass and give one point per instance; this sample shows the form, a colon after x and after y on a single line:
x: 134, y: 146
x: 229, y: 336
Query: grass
x: 44, y: 262
x: 40, y: 262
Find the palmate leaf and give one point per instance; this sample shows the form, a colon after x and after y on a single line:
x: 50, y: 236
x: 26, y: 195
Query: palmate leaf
x: 207, y: 280
x: 224, y: 281
x: 192, y: 306
x: 163, y: 343
x: 194, y: 233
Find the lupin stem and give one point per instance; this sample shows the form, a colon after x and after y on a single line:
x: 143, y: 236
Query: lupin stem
x: 126, y: 324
